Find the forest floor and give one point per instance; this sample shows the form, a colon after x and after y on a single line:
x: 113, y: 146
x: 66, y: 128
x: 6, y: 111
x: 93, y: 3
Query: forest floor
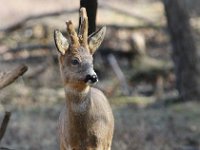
x: 37, y: 98
x: 35, y: 113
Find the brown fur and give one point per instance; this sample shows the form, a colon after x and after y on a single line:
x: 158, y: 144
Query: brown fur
x: 86, y: 122
x: 88, y: 130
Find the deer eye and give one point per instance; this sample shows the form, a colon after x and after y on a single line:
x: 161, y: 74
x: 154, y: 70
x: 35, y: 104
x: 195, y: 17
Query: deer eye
x: 75, y: 61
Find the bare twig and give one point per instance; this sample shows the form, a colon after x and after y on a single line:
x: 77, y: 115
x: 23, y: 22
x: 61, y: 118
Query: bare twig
x: 23, y: 21
x: 31, y: 47
x: 4, y: 124
x: 28, y: 47
x: 10, y: 77
x: 5, y: 148
x: 106, y: 5
x: 133, y: 27
x: 115, y: 66
x: 20, y: 23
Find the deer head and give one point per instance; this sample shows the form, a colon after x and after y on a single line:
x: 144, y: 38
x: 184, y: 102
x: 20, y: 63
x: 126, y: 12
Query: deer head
x: 75, y: 53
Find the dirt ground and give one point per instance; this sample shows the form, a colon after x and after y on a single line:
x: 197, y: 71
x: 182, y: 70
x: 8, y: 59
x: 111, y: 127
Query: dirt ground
x: 36, y: 100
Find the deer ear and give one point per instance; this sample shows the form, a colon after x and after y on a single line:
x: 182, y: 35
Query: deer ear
x: 95, y: 39
x: 61, y: 42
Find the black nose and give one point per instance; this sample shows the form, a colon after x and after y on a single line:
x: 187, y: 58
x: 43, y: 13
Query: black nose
x: 91, y: 78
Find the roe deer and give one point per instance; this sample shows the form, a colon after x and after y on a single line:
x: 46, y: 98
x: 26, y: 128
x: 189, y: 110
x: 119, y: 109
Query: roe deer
x: 86, y: 122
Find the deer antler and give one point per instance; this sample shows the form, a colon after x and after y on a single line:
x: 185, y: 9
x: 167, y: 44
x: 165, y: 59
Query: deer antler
x: 72, y: 33
x: 75, y: 40
x: 83, y: 29
x: 82, y: 36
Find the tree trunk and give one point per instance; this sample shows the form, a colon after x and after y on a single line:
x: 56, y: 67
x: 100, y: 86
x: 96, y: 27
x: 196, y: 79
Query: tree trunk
x: 91, y: 7
x: 185, y: 55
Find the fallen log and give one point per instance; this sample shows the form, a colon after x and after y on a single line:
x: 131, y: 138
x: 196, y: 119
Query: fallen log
x: 4, y: 124
x: 11, y: 76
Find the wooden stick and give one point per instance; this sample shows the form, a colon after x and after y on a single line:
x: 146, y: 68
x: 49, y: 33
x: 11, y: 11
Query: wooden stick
x: 20, y: 23
x: 4, y: 124
x: 10, y: 77
x: 29, y: 47
x: 5, y: 148
x: 120, y: 75
x: 109, y: 6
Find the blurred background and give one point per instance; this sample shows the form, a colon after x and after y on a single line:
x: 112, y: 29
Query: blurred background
x: 148, y: 67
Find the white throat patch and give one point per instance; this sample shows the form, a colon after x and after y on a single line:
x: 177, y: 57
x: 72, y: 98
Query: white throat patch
x: 82, y: 105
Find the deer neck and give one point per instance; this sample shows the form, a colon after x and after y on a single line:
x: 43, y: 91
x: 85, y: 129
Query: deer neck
x: 78, y: 104
x: 77, y: 101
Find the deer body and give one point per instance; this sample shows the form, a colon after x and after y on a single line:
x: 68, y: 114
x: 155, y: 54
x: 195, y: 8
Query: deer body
x: 86, y: 122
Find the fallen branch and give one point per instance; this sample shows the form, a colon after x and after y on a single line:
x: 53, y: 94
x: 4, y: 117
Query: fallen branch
x: 10, y: 77
x: 106, y: 5
x: 5, y: 148
x: 23, y: 21
x: 28, y: 47
x: 149, y: 23
x: 133, y: 27
x: 32, y: 47
x: 4, y: 124
x: 115, y: 66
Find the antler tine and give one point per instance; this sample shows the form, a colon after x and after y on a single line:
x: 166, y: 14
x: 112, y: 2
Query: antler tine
x: 83, y: 30
x: 72, y: 33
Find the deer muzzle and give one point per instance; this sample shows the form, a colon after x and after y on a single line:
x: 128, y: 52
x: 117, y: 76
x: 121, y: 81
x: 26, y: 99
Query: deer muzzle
x: 91, y: 78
